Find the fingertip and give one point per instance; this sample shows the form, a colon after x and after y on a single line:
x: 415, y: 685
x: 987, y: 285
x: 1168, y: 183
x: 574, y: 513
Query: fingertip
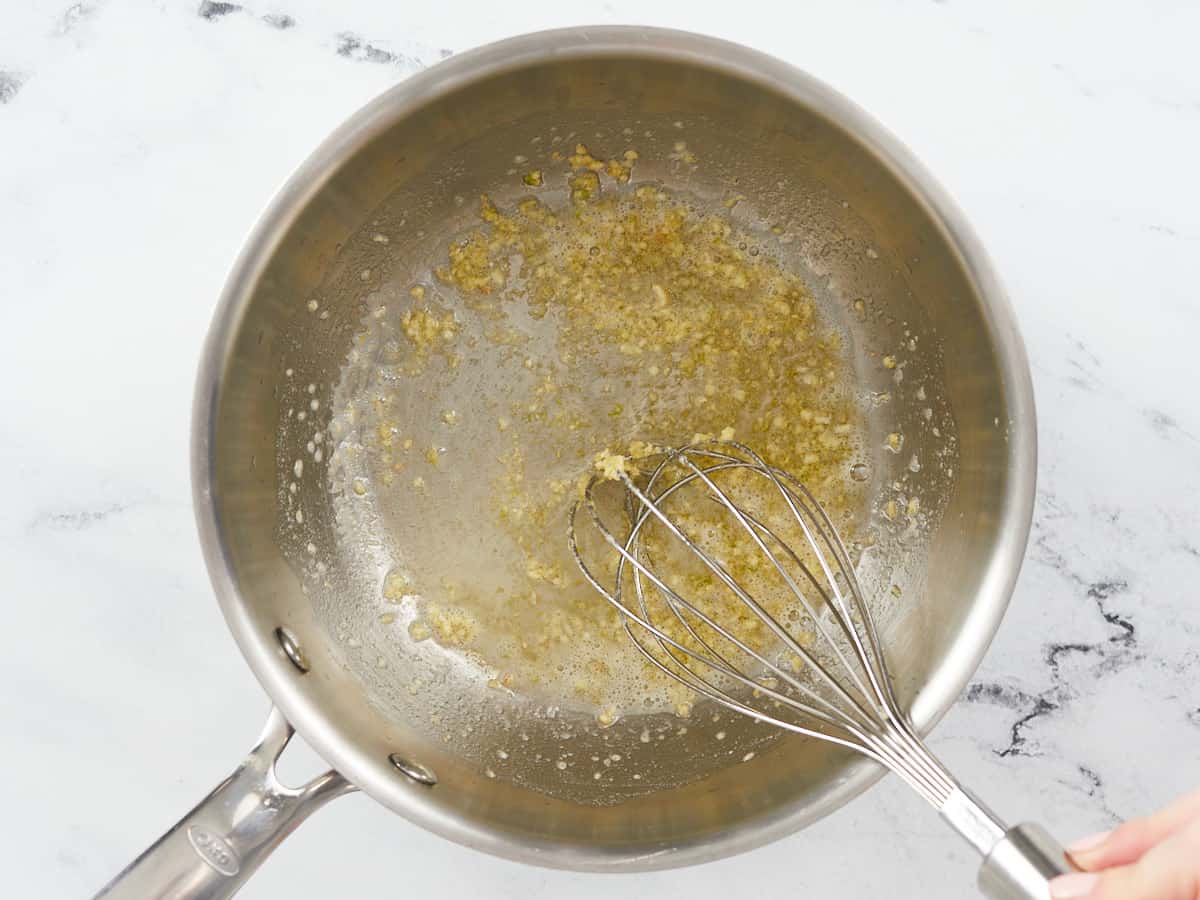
x: 1089, y: 852
x: 1073, y: 886
x: 1090, y: 843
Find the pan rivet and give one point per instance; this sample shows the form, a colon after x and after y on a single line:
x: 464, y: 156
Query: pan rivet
x: 291, y: 648
x: 415, y: 771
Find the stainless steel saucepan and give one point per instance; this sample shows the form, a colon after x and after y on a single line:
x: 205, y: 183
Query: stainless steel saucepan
x: 420, y: 735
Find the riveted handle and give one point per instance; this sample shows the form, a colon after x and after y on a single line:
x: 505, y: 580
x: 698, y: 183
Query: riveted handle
x: 213, y: 850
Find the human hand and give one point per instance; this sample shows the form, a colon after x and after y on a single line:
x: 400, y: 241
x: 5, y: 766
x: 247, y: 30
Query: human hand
x: 1152, y: 858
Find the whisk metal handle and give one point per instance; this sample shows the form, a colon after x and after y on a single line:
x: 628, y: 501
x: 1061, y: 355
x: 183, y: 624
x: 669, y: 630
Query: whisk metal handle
x: 1018, y: 862
x: 1021, y: 864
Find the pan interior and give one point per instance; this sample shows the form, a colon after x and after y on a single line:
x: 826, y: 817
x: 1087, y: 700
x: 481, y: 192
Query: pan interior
x: 468, y: 412
x: 312, y: 552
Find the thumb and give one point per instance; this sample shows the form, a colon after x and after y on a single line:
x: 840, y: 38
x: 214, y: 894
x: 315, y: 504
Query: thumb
x: 1168, y: 871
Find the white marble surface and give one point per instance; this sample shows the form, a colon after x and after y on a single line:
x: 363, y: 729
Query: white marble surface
x: 140, y: 140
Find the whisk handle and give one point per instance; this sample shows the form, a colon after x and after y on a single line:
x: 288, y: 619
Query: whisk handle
x: 1021, y: 864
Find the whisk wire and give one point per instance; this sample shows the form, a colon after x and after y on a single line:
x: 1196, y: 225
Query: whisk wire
x: 852, y: 705
x: 838, y: 610
x: 673, y: 647
x: 651, y: 506
x: 880, y: 684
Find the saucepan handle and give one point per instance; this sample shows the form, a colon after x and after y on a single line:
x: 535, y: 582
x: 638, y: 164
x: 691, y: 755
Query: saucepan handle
x: 214, y: 849
x: 1021, y: 864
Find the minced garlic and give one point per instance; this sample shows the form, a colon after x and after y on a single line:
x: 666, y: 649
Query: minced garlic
x: 668, y: 322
